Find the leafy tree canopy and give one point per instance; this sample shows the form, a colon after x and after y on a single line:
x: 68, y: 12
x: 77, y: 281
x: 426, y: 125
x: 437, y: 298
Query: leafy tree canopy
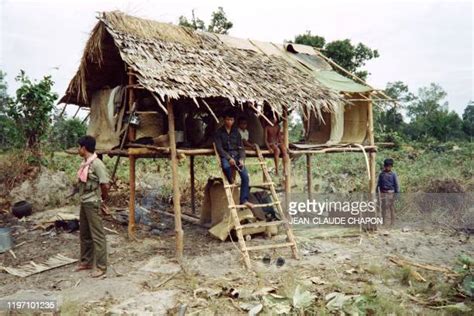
x: 348, y: 55
x: 219, y: 23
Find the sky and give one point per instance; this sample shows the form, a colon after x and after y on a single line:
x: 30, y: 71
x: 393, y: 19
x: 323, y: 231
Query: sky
x: 419, y: 41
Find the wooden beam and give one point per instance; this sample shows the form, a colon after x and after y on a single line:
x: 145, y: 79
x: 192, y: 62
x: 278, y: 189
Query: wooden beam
x: 287, y: 170
x: 176, y: 193
x: 309, y: 176
x: 371, y: 138
x: 193, y: 187
x: 131, y: 205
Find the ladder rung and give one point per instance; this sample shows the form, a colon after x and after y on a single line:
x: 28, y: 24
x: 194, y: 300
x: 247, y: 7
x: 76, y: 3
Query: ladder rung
x: 272, y: 246
x: 260, y: 224
x: 235, y: 185
x: 254, y: 205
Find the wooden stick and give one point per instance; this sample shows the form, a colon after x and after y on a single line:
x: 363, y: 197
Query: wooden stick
x: 184, y: 217
x: 209, y: 108
x: 63, y: 110
x: 131, y: 206
x: 309, y: 178
x: 260, y: 114
x: 196, y: 102
x: 176, y: 193
x: 131, y: 103
x: 159, y: 103
x: 75, y: 114
x: 87, y: 116
x: 193, y: 187
x: 166, y: 280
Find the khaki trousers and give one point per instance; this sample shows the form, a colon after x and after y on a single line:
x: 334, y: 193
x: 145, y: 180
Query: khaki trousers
x: 92, y: 235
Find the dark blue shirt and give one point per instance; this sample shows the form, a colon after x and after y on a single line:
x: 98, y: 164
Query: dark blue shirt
x: 388, y: 181
x: 229, y: 145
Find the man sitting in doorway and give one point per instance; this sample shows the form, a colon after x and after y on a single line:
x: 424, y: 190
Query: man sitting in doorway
x: 274, y: 142
x: 232, y: 153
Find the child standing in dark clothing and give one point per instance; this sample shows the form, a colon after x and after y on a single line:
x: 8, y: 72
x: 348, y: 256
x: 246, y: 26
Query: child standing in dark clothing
x: 388, y: 181
x: 387, y: 185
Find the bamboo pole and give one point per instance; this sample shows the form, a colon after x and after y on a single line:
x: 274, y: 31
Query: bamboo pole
x: 330, y: 61
x: 193, y: 187
x: 309, y: 178
x: 85, y: 119
x: 63, y: 110
x: 131, y: 100
x: 75, y: 114
x: 370, y: 136
x: 131, y: 206
x: 287, y: 171
x: 176, y: 194
x: 210, y: 110
x: 330, y: 150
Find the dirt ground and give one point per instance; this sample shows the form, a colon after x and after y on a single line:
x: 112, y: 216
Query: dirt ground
x: 144, y: 278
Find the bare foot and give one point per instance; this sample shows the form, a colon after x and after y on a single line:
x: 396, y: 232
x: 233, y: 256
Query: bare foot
x: 98, y: 273
x: 83, y: 266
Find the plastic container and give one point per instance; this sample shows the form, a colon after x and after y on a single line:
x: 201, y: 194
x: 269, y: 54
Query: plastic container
x: 6, y: 242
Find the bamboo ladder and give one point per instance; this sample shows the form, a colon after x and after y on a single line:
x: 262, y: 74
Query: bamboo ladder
x: 233, y: 209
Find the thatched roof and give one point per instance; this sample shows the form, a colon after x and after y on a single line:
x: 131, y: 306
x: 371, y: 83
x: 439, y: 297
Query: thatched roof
x: 176, y: 62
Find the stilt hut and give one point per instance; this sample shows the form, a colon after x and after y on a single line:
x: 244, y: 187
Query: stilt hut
x: 145, y: 82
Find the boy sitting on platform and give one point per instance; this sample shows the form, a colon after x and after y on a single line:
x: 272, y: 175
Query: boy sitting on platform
x: 244, y: 133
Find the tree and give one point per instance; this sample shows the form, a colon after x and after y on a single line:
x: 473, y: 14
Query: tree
x: 3, y: 92
x: 219, y: 23
x: 343, y: 52
x: 389, y: 119
x: 311, y: 40
x: 195, y: 23
x: 65, y: 132
x: 31, y: 110
x: 430, y: 116
x: 468, y: 120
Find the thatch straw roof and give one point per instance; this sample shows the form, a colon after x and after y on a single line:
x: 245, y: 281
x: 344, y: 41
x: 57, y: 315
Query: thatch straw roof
x: 176, y: 62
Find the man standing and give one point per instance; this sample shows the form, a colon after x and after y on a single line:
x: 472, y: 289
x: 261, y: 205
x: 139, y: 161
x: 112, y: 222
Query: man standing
x: 232, y: 153
x: 93, y: 189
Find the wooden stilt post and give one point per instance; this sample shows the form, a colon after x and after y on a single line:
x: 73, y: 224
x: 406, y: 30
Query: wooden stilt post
x: 370, y: 136
x: 309, y: 176
x: 131, y: 206
x: 287, y: 171
x: 193, y: 188
x: 176, y: 194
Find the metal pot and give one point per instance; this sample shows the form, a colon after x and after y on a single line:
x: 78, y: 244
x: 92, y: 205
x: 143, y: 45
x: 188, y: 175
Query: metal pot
x: 22, y: 209
x: 6, y: 242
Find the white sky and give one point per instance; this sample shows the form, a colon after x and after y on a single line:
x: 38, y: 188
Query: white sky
x: 419, y: 41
